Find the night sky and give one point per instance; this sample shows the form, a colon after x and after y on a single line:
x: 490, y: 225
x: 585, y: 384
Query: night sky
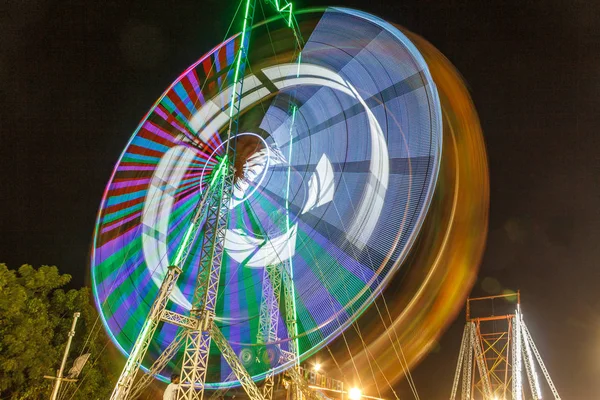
x: 76, y: 77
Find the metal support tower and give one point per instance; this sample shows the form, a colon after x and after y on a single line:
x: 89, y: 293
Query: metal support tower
x: 269, y: 318
x: 198, y: 329
x: 195, y: 357
x: 500, y: 345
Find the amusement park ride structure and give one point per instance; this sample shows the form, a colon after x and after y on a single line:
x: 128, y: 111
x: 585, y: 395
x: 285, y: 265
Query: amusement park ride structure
x: 499, y: 345
x: 499, y: 355
x: 199, y: 329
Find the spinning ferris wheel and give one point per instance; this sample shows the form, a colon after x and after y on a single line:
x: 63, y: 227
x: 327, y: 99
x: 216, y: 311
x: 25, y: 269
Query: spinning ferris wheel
x: 265, y: 200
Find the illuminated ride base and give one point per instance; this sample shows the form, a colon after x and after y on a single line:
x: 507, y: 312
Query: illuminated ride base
x: 265, y: 201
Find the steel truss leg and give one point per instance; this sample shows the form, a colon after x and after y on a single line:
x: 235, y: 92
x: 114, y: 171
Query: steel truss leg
x: 459, y: 364
x: 301, y: 385
x: 517, y: 386
x: 269, y: 318
x: 468, y: 370
x: 292, y: 326
x: 269, y: 306
x: 527, y: 337
x: 529, y: 367
x: 140, y: 347
x: 195, y: 358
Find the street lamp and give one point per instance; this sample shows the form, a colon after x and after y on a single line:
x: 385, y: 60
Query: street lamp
x: 317, y: 367
x: 355, y: 394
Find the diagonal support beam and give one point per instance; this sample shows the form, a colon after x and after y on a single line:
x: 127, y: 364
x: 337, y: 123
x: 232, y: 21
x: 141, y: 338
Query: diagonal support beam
x: 236, y: 365
x: 140, y: 347
x: 540, y: 362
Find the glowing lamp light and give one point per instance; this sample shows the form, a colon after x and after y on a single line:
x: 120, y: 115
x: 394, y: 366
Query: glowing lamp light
x: 317, y: 367
x: 355, y: 394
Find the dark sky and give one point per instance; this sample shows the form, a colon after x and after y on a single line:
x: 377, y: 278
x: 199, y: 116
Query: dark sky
x: 76, y: 77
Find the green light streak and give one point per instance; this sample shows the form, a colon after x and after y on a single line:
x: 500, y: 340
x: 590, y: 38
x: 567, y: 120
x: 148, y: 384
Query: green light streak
x: 280, y: 9
x: 241, y: 53
x: 139, y: 341
x: 183, y: 245
x: 217, y: 172
x: 287, y: 224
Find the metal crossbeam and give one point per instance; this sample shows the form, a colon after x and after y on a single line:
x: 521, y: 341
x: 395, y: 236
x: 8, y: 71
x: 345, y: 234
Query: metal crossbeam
x: 140, y: 347
x: 179, y: 319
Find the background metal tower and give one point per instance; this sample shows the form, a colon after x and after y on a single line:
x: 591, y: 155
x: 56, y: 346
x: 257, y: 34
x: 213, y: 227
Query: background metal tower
x: 495, y: 351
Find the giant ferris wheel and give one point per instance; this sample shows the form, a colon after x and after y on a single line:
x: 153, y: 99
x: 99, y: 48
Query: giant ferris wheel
x: 266, y: 199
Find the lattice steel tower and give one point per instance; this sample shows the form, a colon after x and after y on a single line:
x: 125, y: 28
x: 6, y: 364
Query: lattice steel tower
x: 199, y: 329
x: 496, y: 351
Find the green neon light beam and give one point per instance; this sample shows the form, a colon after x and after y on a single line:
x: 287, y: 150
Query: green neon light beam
x: 287, y: 224
x: 241, y: 54
x: 281, y: 8
x: 216, y: 174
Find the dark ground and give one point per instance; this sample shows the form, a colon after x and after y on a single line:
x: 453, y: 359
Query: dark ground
x: 76, y: 77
